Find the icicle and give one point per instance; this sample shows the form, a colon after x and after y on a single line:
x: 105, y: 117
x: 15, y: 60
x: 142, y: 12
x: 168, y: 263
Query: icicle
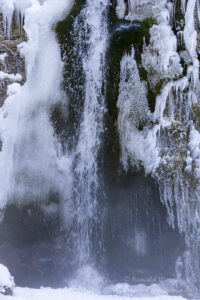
x: 183, y: 6
x: 190, y: 37
x: 2, y: 57
x: 138, y: 145
x: 161, y: 100
x: 8, y: 8
x: 120, y: 9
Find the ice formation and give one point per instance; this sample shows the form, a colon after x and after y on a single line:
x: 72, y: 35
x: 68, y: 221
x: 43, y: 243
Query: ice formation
x: 12, y: 77
x: 31, y: 159
x: 133, y: 111
x: 168, y: 149
x: 3, y: 56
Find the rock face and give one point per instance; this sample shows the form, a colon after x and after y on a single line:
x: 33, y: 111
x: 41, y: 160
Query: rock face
x: 6, y: 281
x: 11, y: 61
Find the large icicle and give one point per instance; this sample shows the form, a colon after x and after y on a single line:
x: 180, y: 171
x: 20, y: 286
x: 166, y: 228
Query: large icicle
x: 9, y: 7
x: 137, y: 145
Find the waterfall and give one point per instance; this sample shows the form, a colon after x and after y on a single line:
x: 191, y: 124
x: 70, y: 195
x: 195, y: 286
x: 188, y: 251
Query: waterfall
x: 152, y: 120
x: 86, y: 156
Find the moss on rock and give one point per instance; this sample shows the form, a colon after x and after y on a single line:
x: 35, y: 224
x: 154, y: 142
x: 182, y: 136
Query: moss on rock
x: 73, y: 79
x: 124, y: 35
x: 64, y: 27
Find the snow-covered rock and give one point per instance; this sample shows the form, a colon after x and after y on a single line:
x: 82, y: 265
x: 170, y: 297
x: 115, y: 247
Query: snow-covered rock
x: 7, y: 283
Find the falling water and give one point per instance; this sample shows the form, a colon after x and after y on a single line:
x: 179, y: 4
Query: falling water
x: 86, y: 169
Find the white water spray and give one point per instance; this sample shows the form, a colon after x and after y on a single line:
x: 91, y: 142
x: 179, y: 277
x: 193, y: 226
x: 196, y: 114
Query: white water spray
x: 86, y: 172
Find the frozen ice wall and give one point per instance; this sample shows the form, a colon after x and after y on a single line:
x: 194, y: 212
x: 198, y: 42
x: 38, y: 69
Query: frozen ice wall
x: 32, y: 162
x: 170, y: 136
x: 133, y: 112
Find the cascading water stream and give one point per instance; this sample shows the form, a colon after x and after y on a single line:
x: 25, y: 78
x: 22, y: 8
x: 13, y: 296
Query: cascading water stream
x: 86, y: 169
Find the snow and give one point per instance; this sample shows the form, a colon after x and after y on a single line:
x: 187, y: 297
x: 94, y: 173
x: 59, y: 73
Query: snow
x: 94, y: 289
x: 12, y: 77
x: 72, y: 294
x: 2, y: 57
x: 13, y: 88
x: 6, y: 280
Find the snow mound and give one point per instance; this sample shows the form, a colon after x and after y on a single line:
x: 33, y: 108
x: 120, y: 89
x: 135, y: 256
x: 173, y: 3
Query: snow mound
x: 13, y: 89
x: 71, y: 294
x: 12, y: 77
x: 6, y: 281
